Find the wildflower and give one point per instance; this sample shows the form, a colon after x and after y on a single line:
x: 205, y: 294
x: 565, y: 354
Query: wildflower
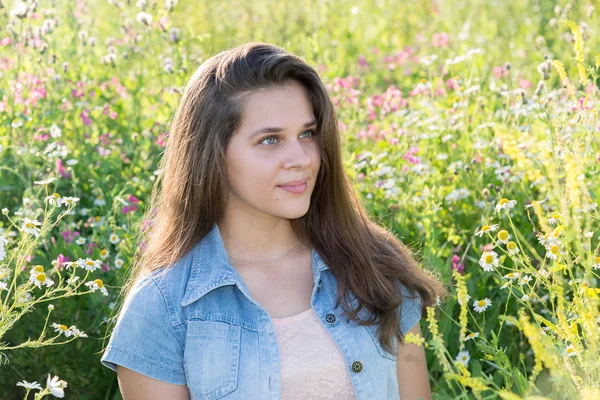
x: 505, y: 285
x: 414, y: 339
x: 589, y: 234
x: 553, y: 251
x: 50, y: 307
x: 144, y: 18
x: 89, y: 264
x: 104, y: 253
x: 114, y: 239
x: 554, y: 218
x: 525, y: 279
x: 32, y: 385
x: 486, y: 228
x: 30, y: 226
x: 463, y: 295
x: 512, y: 248
x: 570, y: 351
x: 45, y: 181
x: 529, y: 297
x: 61, y: 329
x: 463, y: 357
x: 5, y: 212
x: 97, y: 285
x: 80, y: 240
x: 535, y: 202
x: 56, y: 386
x: 76, y: 332
x: 472, y: 335
x: 596, y: 264
x: 70, y: 200
x: 488, y: 261
x: 54, y: 199
x: 40, y: 279
x: 512, y: 276
x: 482, y: 305
x: 73, y: 280
x: 503, y: 236
x: 55, y: 131
x: 504, y: 203
x: 119, y: 263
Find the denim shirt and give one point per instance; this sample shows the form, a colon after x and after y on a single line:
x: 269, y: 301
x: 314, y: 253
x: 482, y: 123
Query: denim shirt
x: 196, y: 324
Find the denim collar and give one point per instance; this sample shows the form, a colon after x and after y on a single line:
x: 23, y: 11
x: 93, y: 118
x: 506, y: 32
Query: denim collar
x: 211, y: 268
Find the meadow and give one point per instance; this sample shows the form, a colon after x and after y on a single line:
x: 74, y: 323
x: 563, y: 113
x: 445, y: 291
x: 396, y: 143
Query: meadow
x: 470, y: 130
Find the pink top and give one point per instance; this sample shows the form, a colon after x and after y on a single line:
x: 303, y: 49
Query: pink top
x: 312, y: 366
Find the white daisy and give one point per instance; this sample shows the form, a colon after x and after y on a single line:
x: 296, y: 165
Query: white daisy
x: 554, y: 218
x: 104, y: 253
x: 54, y: 199
x: 32, y: 385
x: 30, y: 226
x: 56, y: 386
x: 512, y: 248
x: 529, y: 297
x: 119, y: 263
x: 535, y: 202
x: 553, y: 251
x: 512, y: 276
x: 45, y: 181
x: 76, y: 332
x: 472, y: 335
x: 596, y: 264
x: 488, y: 260
x: 97, y: 285
x: 505, y: 285
x: 41, y: 279
x: 504, y: 203
x: 525, y: 279
x: 61, y: 329
x: 482, y: 305
x: 70, y: 200
x: 463, y: 357
x: 89, y: 264
x: 570, y: 351
x: 589, y: 234
x: 114, y: 239
x: 503, y: 236
x: 486, y: 228
x: 80, y: 240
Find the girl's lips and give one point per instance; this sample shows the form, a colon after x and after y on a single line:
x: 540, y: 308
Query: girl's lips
x: 295, y: 189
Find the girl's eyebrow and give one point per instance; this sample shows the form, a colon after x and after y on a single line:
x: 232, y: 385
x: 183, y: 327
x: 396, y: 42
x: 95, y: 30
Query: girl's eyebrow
x: 271, y: 129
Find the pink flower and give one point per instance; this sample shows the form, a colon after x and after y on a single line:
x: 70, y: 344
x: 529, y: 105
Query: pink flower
x: 500, y: 72
x: 69, y: 235
x: 62, y: 170
x: 60, y: 260
x: 524, y: 83
x: 459, y: 267
x: 440, y: 39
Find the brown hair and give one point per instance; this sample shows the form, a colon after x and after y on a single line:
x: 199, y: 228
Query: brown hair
x: 364, y: 257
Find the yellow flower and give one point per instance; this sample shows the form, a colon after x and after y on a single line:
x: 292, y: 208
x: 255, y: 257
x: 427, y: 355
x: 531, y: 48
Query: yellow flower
x: 486, y: 228
x: 512, y: 248
x: 503, y: 236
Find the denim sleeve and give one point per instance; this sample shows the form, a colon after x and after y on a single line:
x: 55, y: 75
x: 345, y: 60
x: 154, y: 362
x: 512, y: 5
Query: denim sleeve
x: 410, y: 313
x: 144, y: 339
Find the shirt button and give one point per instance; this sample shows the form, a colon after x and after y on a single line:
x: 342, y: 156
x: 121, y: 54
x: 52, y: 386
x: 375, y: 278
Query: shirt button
x: 330, y: 318
x: 356, y: 366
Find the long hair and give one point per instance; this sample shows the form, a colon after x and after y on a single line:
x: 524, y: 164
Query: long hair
x: 189, y: 195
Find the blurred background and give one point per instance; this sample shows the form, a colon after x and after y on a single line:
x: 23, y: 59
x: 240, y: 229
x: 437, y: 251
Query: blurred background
x: 446, y: 107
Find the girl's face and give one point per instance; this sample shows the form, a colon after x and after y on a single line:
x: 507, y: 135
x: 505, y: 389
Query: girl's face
x: 275, y: 144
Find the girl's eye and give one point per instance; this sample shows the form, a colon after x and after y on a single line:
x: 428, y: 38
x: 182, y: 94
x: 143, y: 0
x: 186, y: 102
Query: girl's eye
x: 312, y: 131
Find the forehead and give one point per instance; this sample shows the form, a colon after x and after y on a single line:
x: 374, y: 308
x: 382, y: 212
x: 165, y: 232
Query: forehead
x: 277, y: 106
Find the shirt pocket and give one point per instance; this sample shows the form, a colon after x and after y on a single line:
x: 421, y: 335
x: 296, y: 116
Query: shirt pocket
x: 374, y: 332
x: 212, y: 358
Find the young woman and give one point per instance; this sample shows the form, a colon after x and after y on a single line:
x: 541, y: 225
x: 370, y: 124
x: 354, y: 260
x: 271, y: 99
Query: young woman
x: 260, y: 275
